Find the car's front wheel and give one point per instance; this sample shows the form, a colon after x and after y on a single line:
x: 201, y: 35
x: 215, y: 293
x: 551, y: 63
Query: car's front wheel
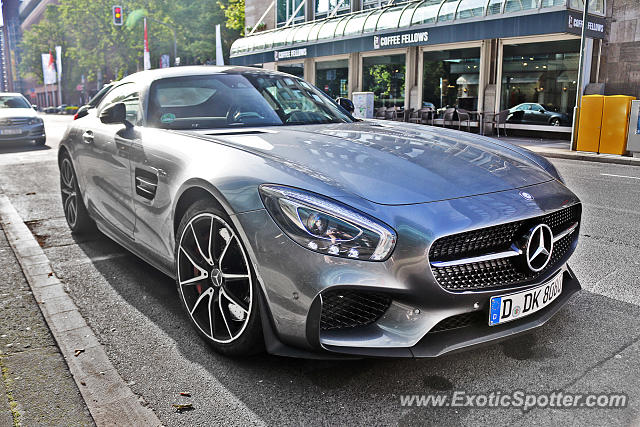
x: 216, y: 282
x: 555, y: 122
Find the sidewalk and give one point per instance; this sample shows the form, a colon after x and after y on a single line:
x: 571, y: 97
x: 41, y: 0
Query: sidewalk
x: 36, y: 385
x: 562, y: 150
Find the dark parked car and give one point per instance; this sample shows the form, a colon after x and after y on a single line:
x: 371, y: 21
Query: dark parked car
x: 535, y: 114
x: 290, y: 225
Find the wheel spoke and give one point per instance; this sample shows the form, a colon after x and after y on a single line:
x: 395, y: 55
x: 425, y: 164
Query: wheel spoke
x: 211, y: 315
x: 205, y: 294
x: 194, y: 280
x: 224, y: 251
x: 224, y: 318
x: 233, y: 300
x: 235, y: 276
x: 196, y: 266
x: 204, y: 257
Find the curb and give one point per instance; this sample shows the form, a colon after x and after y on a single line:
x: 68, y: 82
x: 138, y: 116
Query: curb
x: 578, y: 155
x: 108, y: 398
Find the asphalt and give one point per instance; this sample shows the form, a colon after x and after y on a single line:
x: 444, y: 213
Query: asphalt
x: 590, y: 346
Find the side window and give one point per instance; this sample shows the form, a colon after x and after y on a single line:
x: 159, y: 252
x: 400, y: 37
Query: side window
x: 128, y: 94
x: 536, y: 107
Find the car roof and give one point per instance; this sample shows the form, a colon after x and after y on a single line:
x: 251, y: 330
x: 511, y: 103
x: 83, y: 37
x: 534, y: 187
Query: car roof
x: 149, y: 76
x: 10, y: 94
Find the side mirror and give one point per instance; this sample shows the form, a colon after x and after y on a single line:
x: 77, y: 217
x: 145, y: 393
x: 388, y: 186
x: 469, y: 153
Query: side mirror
x: 82, y: 111
x: 347, y: 104
x: 114, y: 114
x: 34, y: 106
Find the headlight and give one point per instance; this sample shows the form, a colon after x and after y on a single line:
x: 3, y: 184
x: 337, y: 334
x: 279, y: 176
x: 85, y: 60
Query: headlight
x: 327, y: 226
x: 35, y: 121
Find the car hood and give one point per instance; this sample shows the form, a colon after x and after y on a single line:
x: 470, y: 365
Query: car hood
x: 388, y: 163
x: 17, y: 112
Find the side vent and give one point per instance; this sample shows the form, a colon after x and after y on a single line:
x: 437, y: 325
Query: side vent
x: 146, y: 184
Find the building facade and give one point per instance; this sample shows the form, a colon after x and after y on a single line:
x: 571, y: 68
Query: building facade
x: 480, y: 55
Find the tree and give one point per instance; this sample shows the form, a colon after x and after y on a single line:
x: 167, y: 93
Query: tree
x: 92, y: 44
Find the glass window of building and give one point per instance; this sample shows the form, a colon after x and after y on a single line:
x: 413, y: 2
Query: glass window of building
x: 471, y: 9
x: 390, y: 18
x: 332, y: 77
x: 551, y: 3
x: 595, y: 6
x: 448, y: 10
x: 517, y: 5
x: 495, y: 7
x: 286, y: 8
x: 296, y: 69
x: 325, y: 8
x: 451, y: 78
x: 427, y: 12
x: 543, y: 76
x: 385, y: 77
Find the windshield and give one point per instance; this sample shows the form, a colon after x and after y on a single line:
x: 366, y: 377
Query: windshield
x: 237, y: 100
x: 13, y: 101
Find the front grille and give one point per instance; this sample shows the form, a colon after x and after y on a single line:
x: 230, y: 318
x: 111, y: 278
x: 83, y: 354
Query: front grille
x: 343, y: 309
x: 504, y: 272
x: 16, y: 121
x: 458, y: 321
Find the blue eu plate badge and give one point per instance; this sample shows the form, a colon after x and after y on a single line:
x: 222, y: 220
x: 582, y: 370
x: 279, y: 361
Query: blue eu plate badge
x: 494, y: 315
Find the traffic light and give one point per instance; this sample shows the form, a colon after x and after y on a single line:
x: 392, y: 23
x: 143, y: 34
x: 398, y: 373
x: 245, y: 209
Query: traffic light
x: 117, y: 15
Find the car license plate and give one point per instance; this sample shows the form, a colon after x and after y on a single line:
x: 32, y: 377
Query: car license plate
x: 506, y: 308
x: 10, y: 131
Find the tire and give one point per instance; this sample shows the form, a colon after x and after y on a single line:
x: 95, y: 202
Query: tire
x: 216, y: 282
x: 75, y: 211
x: 41, y: 141
x: 554, y: 122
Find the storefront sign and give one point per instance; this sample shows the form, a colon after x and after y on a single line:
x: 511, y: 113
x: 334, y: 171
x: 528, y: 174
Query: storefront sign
x: 283, y: 55
x: 419, y: 37
x: 595, y: 25
x: 591, y: 26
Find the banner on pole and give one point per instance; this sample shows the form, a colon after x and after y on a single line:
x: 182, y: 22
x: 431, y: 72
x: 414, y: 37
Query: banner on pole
x: 147, y: 56
x: 59, y: 61
x: 219, y: 57
x: 49, y: 75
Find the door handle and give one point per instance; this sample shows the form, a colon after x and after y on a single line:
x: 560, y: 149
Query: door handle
x: 87, y: 137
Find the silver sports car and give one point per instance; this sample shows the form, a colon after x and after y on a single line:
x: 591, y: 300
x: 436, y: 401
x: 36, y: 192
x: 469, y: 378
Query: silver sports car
x: 291, y: 226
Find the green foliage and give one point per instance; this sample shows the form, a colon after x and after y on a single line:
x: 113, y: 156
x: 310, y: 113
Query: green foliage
x: 234, y: 12
x: 92, y: 44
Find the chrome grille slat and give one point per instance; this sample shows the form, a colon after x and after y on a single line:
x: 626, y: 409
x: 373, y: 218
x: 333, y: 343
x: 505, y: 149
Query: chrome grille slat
x: 501, y: 272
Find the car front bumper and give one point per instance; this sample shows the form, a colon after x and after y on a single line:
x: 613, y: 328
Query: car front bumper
x: 27, y: 133
x: 294, y: 278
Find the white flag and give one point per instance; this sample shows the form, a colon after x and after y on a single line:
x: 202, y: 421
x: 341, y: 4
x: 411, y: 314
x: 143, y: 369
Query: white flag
x: 219, y: 57
x: 48, y: 69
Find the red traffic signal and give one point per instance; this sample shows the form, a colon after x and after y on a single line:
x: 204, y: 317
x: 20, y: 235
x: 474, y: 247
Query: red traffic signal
x: 117, y: 15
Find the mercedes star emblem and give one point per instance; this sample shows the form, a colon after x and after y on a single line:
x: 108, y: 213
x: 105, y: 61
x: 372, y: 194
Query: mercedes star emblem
x: 539, y: 247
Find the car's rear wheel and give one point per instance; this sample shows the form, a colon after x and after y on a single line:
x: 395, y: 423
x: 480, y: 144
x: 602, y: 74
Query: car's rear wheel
x: 75, y: 211
x: 216, y: 282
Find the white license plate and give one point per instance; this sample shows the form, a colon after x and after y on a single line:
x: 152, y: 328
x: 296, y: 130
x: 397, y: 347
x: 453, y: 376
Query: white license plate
x: 506, y: 308
x: 10, y: 131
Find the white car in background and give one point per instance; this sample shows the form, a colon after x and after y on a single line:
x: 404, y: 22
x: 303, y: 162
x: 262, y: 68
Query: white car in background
x: 19, y: 122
